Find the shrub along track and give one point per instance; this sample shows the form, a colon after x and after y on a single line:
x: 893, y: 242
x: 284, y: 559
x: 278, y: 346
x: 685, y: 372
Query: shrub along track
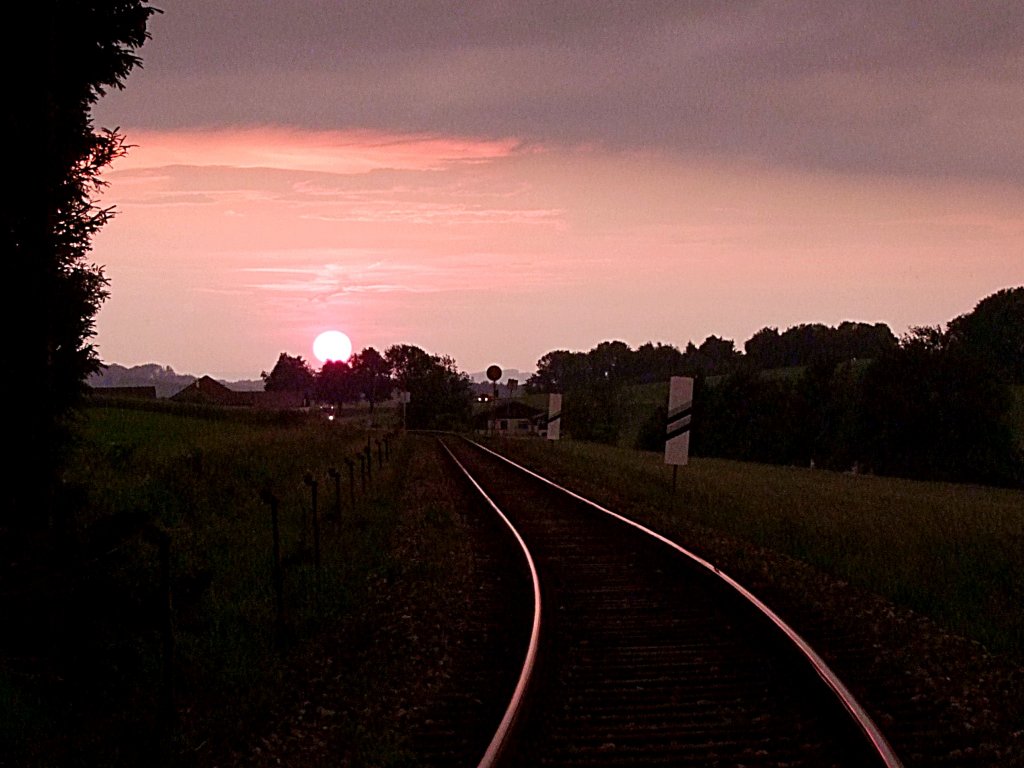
x: 649, y: 659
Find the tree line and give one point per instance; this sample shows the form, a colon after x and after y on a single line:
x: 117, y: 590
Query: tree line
x: 938, y: 403
x: 439, y: 395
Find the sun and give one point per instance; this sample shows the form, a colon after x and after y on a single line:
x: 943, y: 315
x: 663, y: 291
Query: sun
x: 332, y: 345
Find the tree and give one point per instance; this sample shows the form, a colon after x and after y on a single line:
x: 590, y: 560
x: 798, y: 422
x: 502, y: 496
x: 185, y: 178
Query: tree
x: 765, y: 349
x: 290, y: 374
x: 440, y: 396
x: 933, y: 412
x: 994, y: 331
x: 336, y: 383
x: 560, y: 371
x: 715, y: 356
x: 372, y: 376
x: 657, y: 362
x: 78, y: 51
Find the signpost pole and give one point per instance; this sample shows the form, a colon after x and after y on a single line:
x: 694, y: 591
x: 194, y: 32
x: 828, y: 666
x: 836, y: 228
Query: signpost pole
x: 494, y: 374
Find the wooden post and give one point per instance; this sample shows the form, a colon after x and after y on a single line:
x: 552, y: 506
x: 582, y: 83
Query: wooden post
x: 277, y: 574
x: 312, y: 483
x: 351, y: 481
x: 336, y: 476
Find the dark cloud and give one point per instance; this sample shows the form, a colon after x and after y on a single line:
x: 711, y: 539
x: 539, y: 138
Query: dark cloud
x: 915, y: 87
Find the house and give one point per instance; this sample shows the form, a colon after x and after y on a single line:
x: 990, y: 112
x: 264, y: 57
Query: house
x: 509, y: 417
x: 208, y: 391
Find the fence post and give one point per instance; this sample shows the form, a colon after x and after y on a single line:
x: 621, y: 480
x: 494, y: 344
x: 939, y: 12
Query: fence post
x: 351, y: 481
x: 275, y: 566
x: 336, y: 476
x: 369, y: 461
x: 312, y: 483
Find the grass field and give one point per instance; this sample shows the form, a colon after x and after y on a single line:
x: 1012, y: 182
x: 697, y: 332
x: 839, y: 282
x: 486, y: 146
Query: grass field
x: 953, y: 552
x: 199, y: 480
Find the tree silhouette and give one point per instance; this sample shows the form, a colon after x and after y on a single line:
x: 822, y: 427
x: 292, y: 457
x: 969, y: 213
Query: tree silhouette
x: 933, y: 411
x: 336, y: 383
x: 440, y: 395
x: 67, y: 55
x: 994, y: 331
x: 372, y: 376
x: 290, y: 374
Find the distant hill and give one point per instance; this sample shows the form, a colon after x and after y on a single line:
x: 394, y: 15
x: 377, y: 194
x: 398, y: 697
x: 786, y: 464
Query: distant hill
x: 166, y: 381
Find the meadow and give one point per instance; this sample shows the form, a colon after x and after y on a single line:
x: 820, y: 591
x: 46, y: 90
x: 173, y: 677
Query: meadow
x: 952, y: 552
x: 97, y: 680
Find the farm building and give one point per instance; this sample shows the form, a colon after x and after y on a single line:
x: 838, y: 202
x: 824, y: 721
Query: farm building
x: 208, y: 391
x: 509, y: 417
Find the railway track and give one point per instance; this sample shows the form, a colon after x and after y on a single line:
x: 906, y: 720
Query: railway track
x: 642, y: 655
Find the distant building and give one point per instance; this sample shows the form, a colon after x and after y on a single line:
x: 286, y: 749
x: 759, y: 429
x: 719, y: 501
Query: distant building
x: 207, y: 391
x: 511, y: 418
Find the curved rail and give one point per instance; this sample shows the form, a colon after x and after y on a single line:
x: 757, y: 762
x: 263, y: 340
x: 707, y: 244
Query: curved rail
x: 501, y: 736
x: 850, y: 704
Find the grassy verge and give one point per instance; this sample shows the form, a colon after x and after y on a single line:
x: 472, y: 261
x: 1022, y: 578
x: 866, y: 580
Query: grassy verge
x: 953, y: 552
x: 82, y: 666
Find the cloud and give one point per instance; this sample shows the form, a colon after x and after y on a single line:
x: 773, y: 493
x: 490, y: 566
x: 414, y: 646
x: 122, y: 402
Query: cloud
x: 911, y: 88
x: 282, y: 148
x: 338, y: 276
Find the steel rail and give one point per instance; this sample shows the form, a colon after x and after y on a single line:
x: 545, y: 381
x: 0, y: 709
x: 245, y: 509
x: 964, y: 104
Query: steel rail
x: 859, y: 715
x: 504, y: 731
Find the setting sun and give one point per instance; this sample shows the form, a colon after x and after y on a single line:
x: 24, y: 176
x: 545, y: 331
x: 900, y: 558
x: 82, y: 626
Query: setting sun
x: 332, y: 345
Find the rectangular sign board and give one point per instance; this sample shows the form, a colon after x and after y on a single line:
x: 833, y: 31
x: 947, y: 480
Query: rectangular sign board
x: 680, y: 414
x: 554, y: 417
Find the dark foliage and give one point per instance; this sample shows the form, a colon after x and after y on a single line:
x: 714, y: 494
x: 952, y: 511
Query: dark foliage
x: 935, y: 405
x: 934, y: 410
x: 290, y: 374
x: 372, y: 376
x: 336, y: 383
x: 440, y: 396
x: 747, y: 417
x: 62, y: 57
x: 994, y: 332
x: 817, y: 344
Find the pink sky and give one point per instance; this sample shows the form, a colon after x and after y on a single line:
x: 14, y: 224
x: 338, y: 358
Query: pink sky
x: 494, y: 191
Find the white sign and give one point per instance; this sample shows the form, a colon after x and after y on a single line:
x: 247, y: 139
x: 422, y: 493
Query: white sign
x: 680, y: 413
x: 554, y: 416
x: 405, y: 397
